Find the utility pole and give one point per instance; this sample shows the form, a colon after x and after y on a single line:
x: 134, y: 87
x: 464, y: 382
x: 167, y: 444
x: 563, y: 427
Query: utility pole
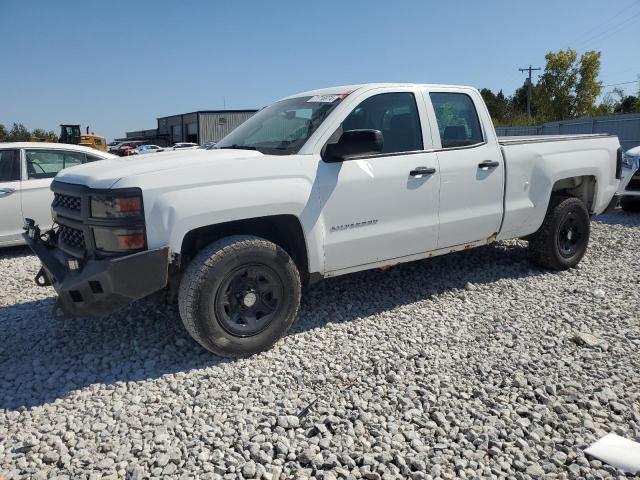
x: 529, y: 86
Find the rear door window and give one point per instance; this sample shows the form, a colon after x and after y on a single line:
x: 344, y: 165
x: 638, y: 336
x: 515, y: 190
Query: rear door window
x: 458, y: 122
x: 93, y: 158
x: 47, y: 163
x: 9, y: 165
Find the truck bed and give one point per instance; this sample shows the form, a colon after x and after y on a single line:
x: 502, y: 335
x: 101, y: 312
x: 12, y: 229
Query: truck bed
x: 519, y: 140
x: 534, y: 164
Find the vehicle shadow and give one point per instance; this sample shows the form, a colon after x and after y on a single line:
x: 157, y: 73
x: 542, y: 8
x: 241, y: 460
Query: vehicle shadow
x: 620, y: 217
x: 42, y: 359
x: 15, y: 252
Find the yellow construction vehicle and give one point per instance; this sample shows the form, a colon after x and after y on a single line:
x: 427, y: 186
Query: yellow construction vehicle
x: 70, y: 133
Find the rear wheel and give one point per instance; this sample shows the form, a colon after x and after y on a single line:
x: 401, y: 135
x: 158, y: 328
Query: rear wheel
x: 239, y: 295
x: 562, y: 240
x: 630, y: 204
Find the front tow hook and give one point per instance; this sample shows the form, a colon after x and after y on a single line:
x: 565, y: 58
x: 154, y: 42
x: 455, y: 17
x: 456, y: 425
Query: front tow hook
x: 42, y: 280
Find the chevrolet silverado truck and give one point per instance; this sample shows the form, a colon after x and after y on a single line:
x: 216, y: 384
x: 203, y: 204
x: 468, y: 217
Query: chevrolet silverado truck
x: 319, y: 184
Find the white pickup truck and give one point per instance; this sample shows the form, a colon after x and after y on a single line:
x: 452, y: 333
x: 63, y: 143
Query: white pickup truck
x: 318, y: 184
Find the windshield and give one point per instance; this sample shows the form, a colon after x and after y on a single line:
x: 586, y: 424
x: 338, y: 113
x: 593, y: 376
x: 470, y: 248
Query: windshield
x: 284, y: 127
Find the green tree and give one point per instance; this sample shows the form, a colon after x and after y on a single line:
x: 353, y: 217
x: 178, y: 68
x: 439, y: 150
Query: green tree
x: 610, y: 101
x: 518, y: 103
x: 628, y: 104
x: 615, y: 101
x: 3, y: 133
x: 41, y: 135
x: 555, y: 95
x: 19, y: 133
x: 497, y: 104
x: 569, y: 85
x: 588, y: 88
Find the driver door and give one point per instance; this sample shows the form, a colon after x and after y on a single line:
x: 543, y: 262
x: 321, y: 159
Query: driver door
x: 380, y: 207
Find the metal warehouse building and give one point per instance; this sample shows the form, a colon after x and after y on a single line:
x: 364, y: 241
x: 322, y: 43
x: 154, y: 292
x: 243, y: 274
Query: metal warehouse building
x: 198, y: 127
x: 202, y: 126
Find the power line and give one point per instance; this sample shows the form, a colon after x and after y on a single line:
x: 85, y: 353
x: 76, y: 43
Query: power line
x: 610, y: 31
x: 529, y: 69
x: 605, y: 22
x: 636, y: 69
x: 621, y: 83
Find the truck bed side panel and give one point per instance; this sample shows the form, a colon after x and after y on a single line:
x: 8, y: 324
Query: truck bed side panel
x: 534, y: 166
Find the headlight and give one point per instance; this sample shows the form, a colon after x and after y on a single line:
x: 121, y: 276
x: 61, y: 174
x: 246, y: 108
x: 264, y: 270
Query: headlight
x: 119, y: 239
x: 112, y: 206
x: 628, y: 161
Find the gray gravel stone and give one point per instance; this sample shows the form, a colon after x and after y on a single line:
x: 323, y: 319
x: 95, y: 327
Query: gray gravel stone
x: 588, y: 340
x: 535, y: 471
x: 463, y: 366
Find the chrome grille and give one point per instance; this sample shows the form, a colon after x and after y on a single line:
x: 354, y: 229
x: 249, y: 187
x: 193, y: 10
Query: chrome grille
x: 66, y: 201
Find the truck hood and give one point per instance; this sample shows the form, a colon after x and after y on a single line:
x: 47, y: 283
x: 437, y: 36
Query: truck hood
x: 106, y: 173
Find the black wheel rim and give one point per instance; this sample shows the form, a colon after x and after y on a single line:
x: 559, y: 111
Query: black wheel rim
x: 571, y: 235
x: 248, y: 300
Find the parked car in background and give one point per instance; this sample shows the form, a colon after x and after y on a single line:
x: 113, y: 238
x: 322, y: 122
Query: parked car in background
x: 184, y: 145
x: 126, y: 150
x: 143, y: 149
x: 26, y: 172
x: 122, y: 149
x: 317, y: 185
x: 113, y: 147
x: 630, y: 183
x: 208, y: 145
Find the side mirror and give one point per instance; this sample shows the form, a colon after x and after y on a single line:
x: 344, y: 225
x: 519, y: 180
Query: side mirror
x: 354, y: 143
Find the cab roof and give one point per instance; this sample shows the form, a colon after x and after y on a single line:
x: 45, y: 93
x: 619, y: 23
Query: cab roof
x: 342, y: 89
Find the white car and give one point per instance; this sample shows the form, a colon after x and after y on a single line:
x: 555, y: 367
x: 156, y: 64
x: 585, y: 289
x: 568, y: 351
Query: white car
x: 184, y: 146
x: 317, y: 185
x: 144, y: 149
x: 630, y: 183
x: 26, y: 172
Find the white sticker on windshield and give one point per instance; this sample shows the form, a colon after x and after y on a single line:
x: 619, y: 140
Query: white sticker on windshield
x: 323, y: 98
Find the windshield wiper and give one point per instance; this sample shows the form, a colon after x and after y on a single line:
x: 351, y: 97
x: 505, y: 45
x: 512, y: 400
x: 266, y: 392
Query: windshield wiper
x: 235, y: 146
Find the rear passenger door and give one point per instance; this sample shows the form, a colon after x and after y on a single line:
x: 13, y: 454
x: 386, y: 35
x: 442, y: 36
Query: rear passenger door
x: 41, y: 166
x: 10, y: 213
x: 471, y: 168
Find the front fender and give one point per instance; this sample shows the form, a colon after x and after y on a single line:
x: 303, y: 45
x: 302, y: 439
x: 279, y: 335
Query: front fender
x: 172, y: 214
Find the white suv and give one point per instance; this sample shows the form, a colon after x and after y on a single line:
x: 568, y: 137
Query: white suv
x: 26, y: 172
x: 630, y: 184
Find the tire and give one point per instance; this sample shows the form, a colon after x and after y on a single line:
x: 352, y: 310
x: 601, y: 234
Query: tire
x: 239, y: 295
x: 562, y: 240
x: 630, y: 204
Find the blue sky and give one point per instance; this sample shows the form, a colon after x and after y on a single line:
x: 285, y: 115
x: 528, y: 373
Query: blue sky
x: 118, y: 65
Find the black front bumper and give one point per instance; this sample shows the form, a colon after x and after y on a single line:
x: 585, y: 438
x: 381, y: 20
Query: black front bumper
x: 99, y: 286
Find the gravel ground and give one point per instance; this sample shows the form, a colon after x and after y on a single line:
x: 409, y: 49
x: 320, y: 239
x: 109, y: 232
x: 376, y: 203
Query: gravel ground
x: 461, y: 366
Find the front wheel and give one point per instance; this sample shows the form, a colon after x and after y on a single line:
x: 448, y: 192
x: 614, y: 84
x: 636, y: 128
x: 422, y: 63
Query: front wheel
x: 239, y: 295
x: 562, y: 240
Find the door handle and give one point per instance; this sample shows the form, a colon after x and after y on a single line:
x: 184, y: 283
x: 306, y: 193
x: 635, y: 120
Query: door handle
x: 5, y: 192
x: 488, y: 164
x: 422, y: 171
